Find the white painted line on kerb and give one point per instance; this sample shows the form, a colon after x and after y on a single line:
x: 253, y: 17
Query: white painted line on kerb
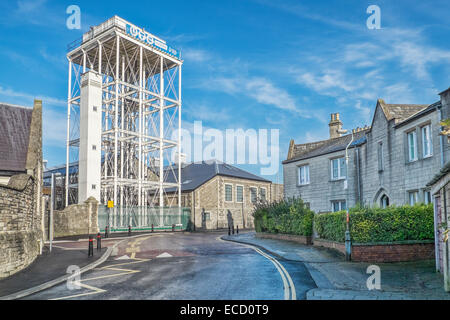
x: 289, y: 289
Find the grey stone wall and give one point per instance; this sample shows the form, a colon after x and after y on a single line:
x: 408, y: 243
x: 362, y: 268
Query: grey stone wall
x: 20, y: 224
x: 76, y: 219
x: 321, y: 190
x: 210, y: 198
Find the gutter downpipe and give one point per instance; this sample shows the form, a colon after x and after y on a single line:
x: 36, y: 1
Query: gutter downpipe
x: 441, y: 137
x: 348, y: 244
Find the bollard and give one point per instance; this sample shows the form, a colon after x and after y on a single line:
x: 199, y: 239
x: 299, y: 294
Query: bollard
x: 173, y: 228
x: 229, y: 230
x: 99, y: 241
x: 237, y: 229
x: 91, y: 246
x: 232, y: 229
x: 129, y: 231
x: 152, y: 227
x: 106, y: 231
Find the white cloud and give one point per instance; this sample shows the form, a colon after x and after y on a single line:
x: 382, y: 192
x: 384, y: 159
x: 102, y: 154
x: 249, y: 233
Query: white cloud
x: 27, y: 99
x: 195, y: 55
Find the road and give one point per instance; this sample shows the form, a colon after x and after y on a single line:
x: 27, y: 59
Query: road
x: 188, y: 266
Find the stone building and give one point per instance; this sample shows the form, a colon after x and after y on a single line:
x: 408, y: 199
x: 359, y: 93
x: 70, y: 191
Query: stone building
x: 219, y: 194
x: 21, y: 206
x: 440, y: 189
x: 390, y: 162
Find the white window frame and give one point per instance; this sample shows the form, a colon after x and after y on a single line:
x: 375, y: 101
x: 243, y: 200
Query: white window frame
x: 414, y: 134
x: 237, y: 200
x: 425, y: 198
x: 256, y: 194
x: 305, y: 168
x: 340, y: 176
x: 427, y: 153
x: 228, y: 184
x: 340, y: 202
x: 265, y: 193
x: 416, y: 197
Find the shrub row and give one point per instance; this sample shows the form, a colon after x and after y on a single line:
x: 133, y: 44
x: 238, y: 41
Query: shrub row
x: 289, y: 216
x: 378, y: 225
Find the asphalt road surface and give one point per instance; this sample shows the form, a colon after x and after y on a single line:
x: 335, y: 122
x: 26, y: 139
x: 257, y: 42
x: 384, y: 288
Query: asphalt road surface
x: 187, y: 266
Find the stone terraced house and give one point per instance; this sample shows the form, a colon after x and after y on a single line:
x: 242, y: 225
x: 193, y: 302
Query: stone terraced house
x: 390, y: 162
x: 218, y: 194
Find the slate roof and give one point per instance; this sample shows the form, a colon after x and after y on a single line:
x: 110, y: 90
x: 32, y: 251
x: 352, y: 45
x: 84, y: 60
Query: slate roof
x: 400, y: 112
x: 15, y: 124
x: 416, y: 115
x: 195, y: 174
x: 315, y: 149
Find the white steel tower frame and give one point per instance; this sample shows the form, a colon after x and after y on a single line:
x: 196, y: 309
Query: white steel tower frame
x: 141, y: 115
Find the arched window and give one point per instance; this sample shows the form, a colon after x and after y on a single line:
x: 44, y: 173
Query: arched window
x: 384, y: 201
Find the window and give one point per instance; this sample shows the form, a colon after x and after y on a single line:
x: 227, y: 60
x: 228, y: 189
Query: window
x: 228, y: 192
x: 303, y: 175
x: 206, y: 216
x: 239, y: 194
x: 412, y: 146
x: 94, y: 147
x: 380, y: 157
x: 94, y: 108
x: 426, y: 141
x: 262, y: 194
x: 427, y: 197
x: 413, y: 195
x: 384, y: 201
x: 338, y: 205
x: 94, y: 187
x: 338, y: 169
x: 253, y: 195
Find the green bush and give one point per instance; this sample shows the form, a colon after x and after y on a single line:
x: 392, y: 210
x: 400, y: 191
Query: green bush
x: 379, y: 225
x: 289, y: 216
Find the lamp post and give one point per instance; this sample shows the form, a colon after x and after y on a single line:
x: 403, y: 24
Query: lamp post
x: 348, y: 246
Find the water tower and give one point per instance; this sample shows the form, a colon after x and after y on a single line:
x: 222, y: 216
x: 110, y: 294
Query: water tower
x: 123, y: 117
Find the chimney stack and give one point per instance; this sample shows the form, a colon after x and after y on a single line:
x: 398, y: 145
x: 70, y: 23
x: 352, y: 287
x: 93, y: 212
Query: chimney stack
x: 335, y: 125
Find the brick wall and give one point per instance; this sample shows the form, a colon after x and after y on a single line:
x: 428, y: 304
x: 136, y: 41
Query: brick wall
x: 393, y: 252
x: 20, y: 224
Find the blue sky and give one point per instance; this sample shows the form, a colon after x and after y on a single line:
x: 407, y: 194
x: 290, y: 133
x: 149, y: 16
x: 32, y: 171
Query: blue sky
x: 248, y: 64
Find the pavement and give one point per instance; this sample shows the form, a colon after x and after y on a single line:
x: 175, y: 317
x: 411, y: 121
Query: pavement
x: 337, y: 279
x: 50, y: 266
x: 192, y: 266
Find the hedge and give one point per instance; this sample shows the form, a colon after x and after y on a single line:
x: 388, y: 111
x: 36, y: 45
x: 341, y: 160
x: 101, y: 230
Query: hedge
x: 369, y: 225
x: 289, y: 216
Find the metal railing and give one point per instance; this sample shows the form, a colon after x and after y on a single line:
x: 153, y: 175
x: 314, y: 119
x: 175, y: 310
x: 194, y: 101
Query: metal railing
x: 120, y: 218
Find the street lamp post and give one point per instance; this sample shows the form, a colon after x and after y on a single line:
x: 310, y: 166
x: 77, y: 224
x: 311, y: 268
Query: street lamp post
x: 348, y: 246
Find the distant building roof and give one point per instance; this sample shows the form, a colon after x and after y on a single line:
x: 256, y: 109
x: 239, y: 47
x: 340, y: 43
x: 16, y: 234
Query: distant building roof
x: 400, y: 112
x: 195, y: 174
x: 15, y: 124
x: 314, y: 149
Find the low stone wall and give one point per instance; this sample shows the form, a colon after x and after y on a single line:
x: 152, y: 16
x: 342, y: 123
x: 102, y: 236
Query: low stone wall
x: 20, y: 225
x: 393, y: 252
x: 288, y: 237
x: 76, y: 219
x: 339, y: 246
